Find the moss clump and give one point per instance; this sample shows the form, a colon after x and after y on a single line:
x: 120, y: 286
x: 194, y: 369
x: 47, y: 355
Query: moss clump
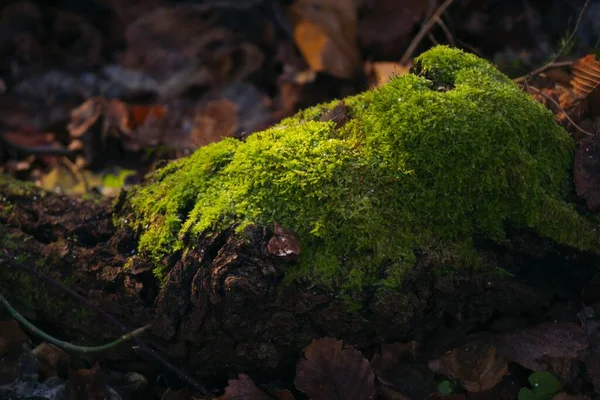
x: 424, y: 163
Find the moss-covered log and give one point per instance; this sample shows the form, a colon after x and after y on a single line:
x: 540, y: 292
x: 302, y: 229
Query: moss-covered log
x: 422, y: 208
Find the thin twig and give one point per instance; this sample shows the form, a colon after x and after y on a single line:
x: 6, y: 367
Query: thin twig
x: 449, y: 36
x: 140, y: 343
x: 424, y: 30
x: 66, y: 345
x: 543, y: 68
x: 77, y: 172
x: 432, y: 38
x: 580, y: 129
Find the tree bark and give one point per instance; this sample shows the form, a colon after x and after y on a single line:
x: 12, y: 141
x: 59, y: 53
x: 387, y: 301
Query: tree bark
x: 224, y: 309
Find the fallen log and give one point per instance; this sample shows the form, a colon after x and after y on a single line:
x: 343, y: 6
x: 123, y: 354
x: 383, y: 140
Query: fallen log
x: 424, y: 210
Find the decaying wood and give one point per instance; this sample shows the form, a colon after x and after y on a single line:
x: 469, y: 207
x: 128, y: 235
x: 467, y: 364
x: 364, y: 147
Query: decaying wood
x: 224, y: 309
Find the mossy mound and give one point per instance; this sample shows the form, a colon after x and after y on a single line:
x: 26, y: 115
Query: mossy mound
x: 424, y: 163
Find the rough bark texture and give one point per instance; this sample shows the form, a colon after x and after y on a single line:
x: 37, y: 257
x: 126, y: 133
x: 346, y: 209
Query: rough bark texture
x: 223, y: 308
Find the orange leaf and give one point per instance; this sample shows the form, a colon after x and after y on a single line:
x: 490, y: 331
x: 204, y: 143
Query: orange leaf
x: 587, y: 75
x: 325, y: 33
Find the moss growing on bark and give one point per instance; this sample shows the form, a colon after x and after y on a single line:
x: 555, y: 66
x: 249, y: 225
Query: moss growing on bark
x: 425, y: 162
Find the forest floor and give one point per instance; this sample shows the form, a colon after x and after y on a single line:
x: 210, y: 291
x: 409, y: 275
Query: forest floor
x: 95, y: 94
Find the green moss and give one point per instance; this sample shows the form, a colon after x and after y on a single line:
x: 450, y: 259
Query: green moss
x: 424, y: 163
x: 13, y: 187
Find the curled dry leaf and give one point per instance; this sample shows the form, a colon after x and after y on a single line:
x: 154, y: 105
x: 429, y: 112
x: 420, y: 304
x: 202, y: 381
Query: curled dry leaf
x: 476, y: 365
x: 84, y: 116
x: 284, y: 242
x: 586, y: 73
x: 331, y: 371
x: 325, y: 33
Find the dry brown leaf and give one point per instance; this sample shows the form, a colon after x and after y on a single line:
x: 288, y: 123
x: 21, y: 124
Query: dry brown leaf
x: 87, y: 384
x: 586, y: 73
x: 380, y: 73
x: 11, y: 337
x: 388, y: 393
x: 565, y: 396
x: 330, y: 370
x: 532, y: 347
x: 84, y: 116
x: 278, y: 394
x: 49, y: 358
x: 476, y: 365
x: 244, y: 389
x: 325, y: 33
x: 396, y: 366
x: 217, y: 120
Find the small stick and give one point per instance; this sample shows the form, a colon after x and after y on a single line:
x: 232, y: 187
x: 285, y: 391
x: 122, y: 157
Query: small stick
x: 449, y: 36
x: 424, y: 30
x: 580, y: 129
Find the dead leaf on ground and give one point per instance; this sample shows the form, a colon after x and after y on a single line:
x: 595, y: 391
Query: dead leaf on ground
x: 396, y: 366
x: 325, y: 33
x: 586, y: 73
x: 87, y: 384
x: 388, y: 393
x: 28, y: 141
x: 214, y: 122
x: 244, y: 388
x: 380, y: 73
x: 476, y: 365
x: 330, y: 370
x: 532, y: 347
x: 11, y: 337
x: 49, y: 358
x: 185, y: 46
x: 565, y: 396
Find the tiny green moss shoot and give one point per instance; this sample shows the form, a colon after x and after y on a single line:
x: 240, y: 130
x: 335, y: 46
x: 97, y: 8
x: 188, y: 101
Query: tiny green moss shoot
x: 424, y: 163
